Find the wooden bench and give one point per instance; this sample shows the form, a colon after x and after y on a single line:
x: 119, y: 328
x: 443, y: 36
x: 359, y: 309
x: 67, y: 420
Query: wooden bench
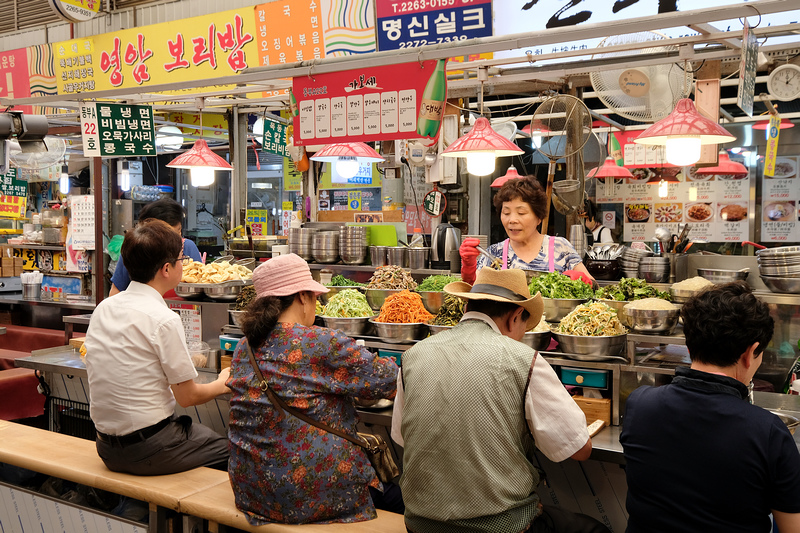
x: 201, y: 493
x: 76, y: 460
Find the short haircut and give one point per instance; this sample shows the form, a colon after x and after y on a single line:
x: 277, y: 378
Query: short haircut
x: 526, y: 189
x: 721, y: 322
x: 149, y: 246
x: 495, y: 309
x: 165, y: 209
x: 591, y: 210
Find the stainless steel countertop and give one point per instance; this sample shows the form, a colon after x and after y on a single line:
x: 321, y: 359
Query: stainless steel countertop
x: 77, y: 319
x: 65, y: 302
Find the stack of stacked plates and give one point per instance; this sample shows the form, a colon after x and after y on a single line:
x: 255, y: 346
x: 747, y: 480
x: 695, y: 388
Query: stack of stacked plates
x: 780, y: 268
x: 654, y: 269
x: 353, y: 244
x: 325, y: 246
x: 630, y: 261
x: 300, y: 242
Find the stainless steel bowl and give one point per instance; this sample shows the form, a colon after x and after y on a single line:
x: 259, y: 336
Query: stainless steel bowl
x: 326, y: 256
x: 376, y: 297
x: 716, y: 275
x: 557, y: 308
x: 617, y: 306
x: 791, y: 421
x: 235, y: 316
x: 437, y: 329
x: 590, y: 348
x: 335, y: 290
x: 652, y: 321
x: 654, y: 277
x: 348, y: 326
x: 785, y: 285
x: 400, y: 333
x: 679, y: 296
x: 223, y: 293
x: 353, y: 258
x: 783, y: 271
x: 538, y: 340
x: 186, y: 290
x: 432, y: 300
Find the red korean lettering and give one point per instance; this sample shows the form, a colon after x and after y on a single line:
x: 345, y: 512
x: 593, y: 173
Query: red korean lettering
x: 176, y: 51
x: 232, y: 39
x: 204, y: 49
x: 112, y: 62
x: 141, y: 54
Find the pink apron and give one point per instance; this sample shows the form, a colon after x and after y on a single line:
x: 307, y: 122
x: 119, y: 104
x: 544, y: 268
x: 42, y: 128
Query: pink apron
x: 551, y: 246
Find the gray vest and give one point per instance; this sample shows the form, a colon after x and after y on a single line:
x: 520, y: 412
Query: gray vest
x: 465, y: 461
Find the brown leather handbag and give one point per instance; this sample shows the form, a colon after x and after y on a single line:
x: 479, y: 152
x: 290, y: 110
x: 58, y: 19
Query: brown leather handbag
x: 374, y: 446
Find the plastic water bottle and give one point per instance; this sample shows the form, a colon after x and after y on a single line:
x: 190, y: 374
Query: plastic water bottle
x: 416, y: 239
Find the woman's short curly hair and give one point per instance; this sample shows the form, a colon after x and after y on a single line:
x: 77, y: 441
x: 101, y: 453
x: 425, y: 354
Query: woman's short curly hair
x: 526, y: 189
x: 720, y: 323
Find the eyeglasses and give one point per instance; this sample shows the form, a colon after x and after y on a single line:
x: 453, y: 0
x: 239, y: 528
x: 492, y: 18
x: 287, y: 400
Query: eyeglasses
x: 185, y: 259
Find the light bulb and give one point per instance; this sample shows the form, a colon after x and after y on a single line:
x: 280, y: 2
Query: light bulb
x: 63, y: 181
x: 480, y: 163
x: 169, y: 137
x: 663, y: 189
x: 201, y: 176
x: 536, y: 141
x: 683, y: 151
x: 692, y: 194
x: 347, y: 166
x: 125, y: 177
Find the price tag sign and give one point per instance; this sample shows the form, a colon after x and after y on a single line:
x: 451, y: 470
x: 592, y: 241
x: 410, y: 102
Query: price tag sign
x: 434, y: 203
x: 772, y: 144
x: 354, y: 200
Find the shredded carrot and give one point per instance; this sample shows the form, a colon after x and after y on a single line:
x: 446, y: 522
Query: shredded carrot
x: 405, y: 307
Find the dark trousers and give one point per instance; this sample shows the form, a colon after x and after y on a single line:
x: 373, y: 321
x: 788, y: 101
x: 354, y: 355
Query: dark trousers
x: 391, y: 499
x: 557, y: 520
x: 179, y: 447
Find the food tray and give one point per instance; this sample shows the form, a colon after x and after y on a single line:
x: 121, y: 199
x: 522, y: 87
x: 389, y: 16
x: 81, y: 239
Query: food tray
x: 229, y: 283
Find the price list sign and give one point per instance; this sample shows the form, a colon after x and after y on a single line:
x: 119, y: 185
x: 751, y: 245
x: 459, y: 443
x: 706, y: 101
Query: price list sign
x: 13, y: 195
x: 81, y: 222
x: 191, y: 320
x: 780, y: 202
x: 117, y: 130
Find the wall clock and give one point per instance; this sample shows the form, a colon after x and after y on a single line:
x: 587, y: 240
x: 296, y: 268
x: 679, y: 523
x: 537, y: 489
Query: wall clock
x: 784, y: 82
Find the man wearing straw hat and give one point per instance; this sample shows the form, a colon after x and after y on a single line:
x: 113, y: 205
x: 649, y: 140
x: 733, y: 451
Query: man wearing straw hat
x: 470, y: 403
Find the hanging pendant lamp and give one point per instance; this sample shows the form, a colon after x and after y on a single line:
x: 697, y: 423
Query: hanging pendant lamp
x: 609, y: 169
x: 683, y: 132
x: 511, y: 174
x: 347, y: 157
x: 725, y: 167
x: 785, y: 125
x: 481, y: 147
x: 202, y: 163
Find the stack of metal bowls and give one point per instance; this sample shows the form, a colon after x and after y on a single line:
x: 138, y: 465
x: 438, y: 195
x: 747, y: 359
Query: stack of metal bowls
x: 300, y: 242
x: 325, y: 246
x: 719, y: 275
x: 353, y: 244
x: 780, y: 268
x: 630, y: 261
x: 654, y: 269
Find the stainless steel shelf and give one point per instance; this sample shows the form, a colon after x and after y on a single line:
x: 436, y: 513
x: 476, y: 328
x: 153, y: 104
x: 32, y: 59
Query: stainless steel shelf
x: 52, y: 247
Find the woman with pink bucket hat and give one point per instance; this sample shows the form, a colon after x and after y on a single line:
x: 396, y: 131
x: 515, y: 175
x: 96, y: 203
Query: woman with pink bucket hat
x: 281, y: 468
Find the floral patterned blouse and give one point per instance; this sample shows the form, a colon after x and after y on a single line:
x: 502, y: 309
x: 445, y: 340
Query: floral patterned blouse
x: 564, y: 256
x: 283, y: 469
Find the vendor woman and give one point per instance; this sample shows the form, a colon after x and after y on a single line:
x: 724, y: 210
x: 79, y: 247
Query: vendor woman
x: 522, y: 204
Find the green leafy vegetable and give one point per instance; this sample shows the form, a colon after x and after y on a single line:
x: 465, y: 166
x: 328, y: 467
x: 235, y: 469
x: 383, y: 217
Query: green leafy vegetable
x: 340, y: 281
x: 556, y: 285
x: 436, y: 283
x: 629, y: 289
x: 348, y: 303
x: 450, y: 312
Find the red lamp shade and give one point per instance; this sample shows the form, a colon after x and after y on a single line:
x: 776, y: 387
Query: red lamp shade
x: 724, y: 167
x: 332, y: 152
x: 200, y: 156
x: 609, y: 169
x: 536, y: 127
x: 482, y: 138
x: 785, y: 125
x: 511, y: 174
x: 685, y: 121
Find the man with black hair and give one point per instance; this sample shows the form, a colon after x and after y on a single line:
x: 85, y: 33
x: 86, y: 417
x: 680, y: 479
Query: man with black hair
x: 169, y: 211
x: 597, y: 231
x: 139, y: 367
x: 699, y: 456
x: 472, y: 404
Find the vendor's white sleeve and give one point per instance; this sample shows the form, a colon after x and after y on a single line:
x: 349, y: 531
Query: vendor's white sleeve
x: 557, y: 423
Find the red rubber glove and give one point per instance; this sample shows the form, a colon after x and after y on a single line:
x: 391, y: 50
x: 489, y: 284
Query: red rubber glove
x: 575, y: 275
x: 469, y: 259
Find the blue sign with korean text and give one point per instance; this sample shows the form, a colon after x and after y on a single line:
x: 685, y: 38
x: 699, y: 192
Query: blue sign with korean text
x: 404, y: 24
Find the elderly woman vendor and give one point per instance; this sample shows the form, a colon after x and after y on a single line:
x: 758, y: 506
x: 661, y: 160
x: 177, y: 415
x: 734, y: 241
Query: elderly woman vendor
x: 281, y: 468
x: 522, y: 204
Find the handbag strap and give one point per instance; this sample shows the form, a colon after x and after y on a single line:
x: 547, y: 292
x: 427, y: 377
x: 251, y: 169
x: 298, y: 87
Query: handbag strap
x: 281, y: 406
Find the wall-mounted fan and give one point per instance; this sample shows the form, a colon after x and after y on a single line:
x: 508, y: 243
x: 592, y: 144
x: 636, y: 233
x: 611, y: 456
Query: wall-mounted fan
x: 644, y: 93
x: 56, y: 148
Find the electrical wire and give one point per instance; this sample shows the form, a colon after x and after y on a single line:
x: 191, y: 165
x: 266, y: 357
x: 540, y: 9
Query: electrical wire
x: 413, y: 190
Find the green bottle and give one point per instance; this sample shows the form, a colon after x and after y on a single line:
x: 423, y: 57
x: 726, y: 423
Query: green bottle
x: 431, y: 108
x: 293, y: 104
x: 615, y: 150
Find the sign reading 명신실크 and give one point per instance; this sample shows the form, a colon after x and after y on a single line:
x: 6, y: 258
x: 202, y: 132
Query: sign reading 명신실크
x: 117, y: 130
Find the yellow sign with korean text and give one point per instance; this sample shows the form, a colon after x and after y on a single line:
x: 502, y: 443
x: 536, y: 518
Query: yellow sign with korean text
x: 772, y: 144
x: 292, y: 179
x: 188, y: 122
x: 354, y: 200
x: 205, y: 47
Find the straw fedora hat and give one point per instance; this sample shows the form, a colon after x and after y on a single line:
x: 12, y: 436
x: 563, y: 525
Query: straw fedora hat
x: 508, y: 286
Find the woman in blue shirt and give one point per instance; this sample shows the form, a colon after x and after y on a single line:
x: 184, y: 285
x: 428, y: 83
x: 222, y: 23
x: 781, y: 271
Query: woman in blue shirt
x: 169, y: 211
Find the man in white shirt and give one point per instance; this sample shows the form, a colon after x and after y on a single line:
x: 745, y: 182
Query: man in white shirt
x: 471, y: 404
x: 139, y: 366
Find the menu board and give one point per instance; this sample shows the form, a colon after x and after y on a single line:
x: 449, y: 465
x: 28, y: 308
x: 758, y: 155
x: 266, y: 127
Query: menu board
x: 717, y: 207
x: 780, y: 202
